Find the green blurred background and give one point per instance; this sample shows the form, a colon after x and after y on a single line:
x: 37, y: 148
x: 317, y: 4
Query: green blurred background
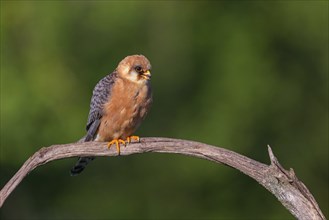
x: 239, y: 74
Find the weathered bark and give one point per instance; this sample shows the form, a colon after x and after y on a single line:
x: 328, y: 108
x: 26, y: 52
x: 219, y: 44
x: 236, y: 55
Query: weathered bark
x: 284, y: 184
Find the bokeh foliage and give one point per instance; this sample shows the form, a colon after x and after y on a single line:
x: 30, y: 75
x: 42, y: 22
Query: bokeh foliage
x: 236, y: 74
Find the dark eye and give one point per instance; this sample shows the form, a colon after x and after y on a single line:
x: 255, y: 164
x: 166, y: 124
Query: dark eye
x: 138, y: 69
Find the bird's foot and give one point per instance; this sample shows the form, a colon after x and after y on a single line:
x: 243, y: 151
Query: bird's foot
x: 130, y: 138
x: 117, y: 143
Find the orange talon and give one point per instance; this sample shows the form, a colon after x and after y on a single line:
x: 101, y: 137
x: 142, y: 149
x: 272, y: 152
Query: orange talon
x: 117, y: 143
x: 136, y: 138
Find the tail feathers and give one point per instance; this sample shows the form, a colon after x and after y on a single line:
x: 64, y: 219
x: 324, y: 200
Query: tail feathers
x: 83, y: 161
x: 81, y: 165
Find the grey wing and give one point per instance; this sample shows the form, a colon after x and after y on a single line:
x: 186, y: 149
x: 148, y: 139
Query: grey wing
x: 101, y: 94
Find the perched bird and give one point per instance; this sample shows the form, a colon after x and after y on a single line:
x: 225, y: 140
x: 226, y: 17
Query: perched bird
x: 119, y: 103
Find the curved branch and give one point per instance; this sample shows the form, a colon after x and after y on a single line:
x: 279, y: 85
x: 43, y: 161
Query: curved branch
x: 284, y: 184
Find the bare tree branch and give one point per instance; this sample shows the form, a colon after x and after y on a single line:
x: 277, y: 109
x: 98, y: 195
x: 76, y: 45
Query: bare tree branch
x: 284, y: 184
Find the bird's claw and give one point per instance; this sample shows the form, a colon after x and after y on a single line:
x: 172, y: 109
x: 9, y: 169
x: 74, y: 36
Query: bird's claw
x: 117, y: 143
x: 130, y: 138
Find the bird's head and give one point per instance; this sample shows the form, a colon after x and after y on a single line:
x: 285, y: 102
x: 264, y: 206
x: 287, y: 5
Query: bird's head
x: 135, y: 68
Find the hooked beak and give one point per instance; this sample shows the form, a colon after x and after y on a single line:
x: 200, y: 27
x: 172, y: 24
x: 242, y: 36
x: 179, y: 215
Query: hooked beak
x: 146, y: 75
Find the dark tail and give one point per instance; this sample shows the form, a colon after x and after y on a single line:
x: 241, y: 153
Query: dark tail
x: 83, y: 161
x: 81, y: 165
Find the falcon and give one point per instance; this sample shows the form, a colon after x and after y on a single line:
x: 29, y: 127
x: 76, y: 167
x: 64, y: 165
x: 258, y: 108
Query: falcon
x: 119, y: 103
